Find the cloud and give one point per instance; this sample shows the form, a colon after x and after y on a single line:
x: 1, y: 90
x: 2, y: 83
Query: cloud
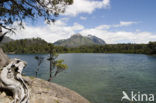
x: 85, y: 6
x: 121, y: 36
x: 125, y: 23
x: 65, y: 19
x: 77, y: 26
x: 100, y: 27
x: 121, y: 24
x: 83, y: 18
x: 61, y: 30
x: 50, y: 33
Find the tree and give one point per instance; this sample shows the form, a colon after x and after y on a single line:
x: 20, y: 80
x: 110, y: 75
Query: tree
x: 12, y: 11
x: 4, y: 60
x: 15, y: 11
x: 152, y: 47
x: 39, y: 60
x: 56, y: 66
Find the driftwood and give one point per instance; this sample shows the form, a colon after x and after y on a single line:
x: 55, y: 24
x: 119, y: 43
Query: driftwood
x: 11, y: 79
x: 11, y: 76
x: 4, y: 60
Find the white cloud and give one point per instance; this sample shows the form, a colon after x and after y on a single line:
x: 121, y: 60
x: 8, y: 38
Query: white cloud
x: 77, y: 26
x: 125, y: 23
x: 83, y: 18
x: 85, y: 6
x: 121, y: 24
x: 61, y: 30
x: 65, y: 19
x: 106, y: 2
x: 121, y: 36
x: 50, y: 33
x: 103, y: 27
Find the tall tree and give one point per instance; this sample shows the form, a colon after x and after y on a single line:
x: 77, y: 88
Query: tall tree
x: 56, y: 66
x: 152, y: 47
x: 12, y: 11
x: 15, y: 11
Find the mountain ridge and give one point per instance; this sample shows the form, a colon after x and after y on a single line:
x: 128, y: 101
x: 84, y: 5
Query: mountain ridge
x: 77, y: 40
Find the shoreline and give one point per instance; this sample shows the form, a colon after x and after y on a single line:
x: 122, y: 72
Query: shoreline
x: 47, y: 92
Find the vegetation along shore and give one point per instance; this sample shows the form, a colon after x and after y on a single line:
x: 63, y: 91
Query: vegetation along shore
x: 39, y: 46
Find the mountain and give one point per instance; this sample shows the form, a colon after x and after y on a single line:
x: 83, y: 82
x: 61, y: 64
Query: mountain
x: 7, y: 39
x: 96, y: 39
x: 77, y: 40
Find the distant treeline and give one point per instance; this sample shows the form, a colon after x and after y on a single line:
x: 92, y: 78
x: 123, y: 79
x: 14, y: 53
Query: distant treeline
x: 37, y: 45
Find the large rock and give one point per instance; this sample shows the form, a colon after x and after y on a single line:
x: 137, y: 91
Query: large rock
x: 46, y: 92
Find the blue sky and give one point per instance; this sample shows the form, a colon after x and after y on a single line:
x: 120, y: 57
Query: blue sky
x: 115, y: 21
x: 141, y: 11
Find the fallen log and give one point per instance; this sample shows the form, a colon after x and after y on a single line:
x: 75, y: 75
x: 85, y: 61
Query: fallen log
x: 11, y: 79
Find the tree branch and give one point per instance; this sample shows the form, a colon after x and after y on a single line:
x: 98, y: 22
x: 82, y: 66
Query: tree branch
x: 9, y: 29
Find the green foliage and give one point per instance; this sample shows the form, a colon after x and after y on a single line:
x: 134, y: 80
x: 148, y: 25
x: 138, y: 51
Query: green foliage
x: 38, y: 45
x: 152, y: 47
x: 56, y: 66
x: 16, y: 10
x: 60, y: 67
x: 26, y: 46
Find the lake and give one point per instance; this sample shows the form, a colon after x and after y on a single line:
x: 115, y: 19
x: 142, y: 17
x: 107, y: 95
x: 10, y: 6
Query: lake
x: 101, y: 78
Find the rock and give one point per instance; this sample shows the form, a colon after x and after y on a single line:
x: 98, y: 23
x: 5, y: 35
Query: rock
x: 47, y: 92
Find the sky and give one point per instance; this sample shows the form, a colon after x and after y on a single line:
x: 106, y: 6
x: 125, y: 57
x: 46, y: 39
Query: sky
x: 114, y: 21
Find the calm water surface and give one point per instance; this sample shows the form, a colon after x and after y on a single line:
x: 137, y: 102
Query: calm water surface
x: 101, y: 78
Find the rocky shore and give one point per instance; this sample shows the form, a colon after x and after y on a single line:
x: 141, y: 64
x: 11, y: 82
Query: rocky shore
x: 46, y: 92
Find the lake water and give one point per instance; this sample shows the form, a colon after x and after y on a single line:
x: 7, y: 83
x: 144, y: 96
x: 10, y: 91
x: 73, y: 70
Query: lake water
x: 101, y: 78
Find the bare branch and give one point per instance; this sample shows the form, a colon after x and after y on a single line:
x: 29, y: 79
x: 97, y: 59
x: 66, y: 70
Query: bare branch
x: 9, y: 29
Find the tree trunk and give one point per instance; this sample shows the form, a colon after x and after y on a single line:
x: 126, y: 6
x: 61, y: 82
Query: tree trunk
x: 11, y: 77
x: 50, y: 76
x: 4, y: 60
